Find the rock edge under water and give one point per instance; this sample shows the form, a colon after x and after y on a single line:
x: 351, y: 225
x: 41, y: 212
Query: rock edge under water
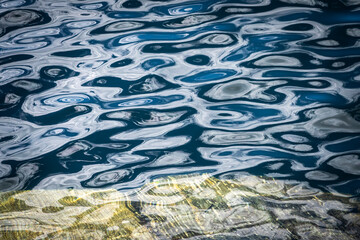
x: 236, y: 206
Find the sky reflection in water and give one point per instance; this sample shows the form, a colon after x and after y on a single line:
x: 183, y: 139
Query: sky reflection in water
x: 114, y: 94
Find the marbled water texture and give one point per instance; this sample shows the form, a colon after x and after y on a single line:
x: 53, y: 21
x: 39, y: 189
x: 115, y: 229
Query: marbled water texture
x: 112, y: 94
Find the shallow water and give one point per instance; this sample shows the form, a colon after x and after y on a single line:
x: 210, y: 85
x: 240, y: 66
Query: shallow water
x: 236, y: 206
x: 113, y: 94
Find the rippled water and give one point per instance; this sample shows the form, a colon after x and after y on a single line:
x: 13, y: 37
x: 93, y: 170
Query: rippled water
x: 112, y: 94
x: 250, y: 106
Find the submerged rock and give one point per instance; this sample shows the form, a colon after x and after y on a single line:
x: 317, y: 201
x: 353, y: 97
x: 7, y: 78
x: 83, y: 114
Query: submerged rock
x: 190, y: 206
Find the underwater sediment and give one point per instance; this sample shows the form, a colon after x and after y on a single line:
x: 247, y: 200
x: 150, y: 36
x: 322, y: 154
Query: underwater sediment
x: 234, y: 206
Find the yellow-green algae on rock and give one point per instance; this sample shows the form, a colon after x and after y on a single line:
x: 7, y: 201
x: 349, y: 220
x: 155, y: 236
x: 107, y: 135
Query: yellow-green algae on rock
x: 189, y: 206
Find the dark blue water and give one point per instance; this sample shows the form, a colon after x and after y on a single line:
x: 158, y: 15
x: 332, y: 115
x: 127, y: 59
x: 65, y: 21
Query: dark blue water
x: 112, y: 94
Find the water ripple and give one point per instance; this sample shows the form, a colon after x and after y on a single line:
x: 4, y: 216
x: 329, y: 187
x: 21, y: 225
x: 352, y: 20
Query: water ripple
x: 103, y: 94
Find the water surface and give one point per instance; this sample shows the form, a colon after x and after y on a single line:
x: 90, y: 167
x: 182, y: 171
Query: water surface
x: 261, y: 97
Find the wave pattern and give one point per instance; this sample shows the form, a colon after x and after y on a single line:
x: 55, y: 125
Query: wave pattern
x: 112, y: 94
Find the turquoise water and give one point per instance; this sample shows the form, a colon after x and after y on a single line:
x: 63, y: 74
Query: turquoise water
x: 112, y: 94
